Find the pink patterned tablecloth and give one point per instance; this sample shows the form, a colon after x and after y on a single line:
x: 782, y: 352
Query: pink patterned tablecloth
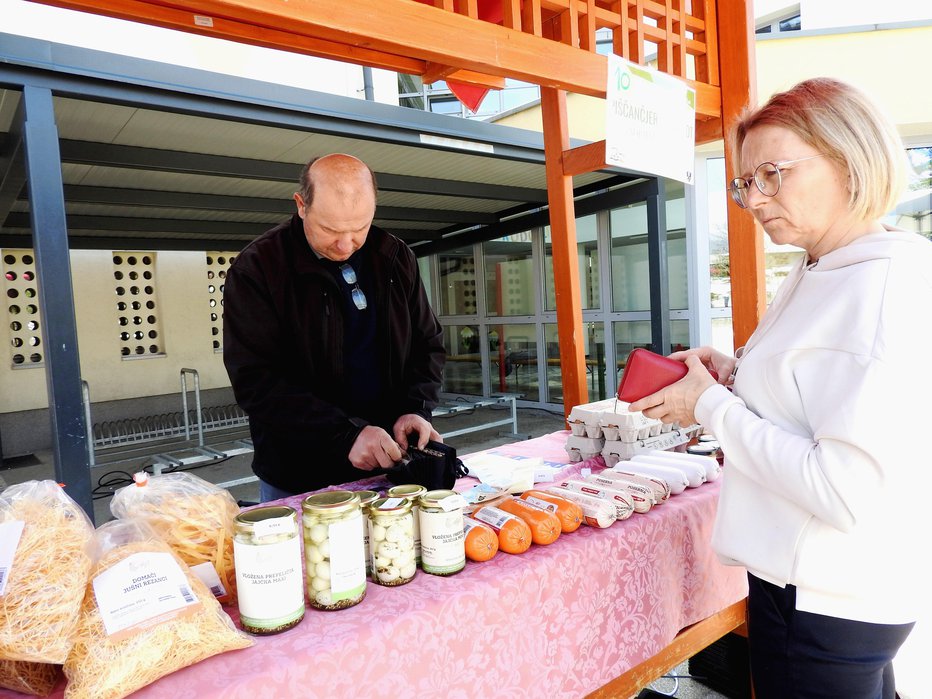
x: 557, y: 621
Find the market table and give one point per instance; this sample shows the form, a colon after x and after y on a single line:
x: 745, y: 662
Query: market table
x: 562, y: 620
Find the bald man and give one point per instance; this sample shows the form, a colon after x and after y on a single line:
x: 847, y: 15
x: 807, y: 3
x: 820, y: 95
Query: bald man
x: 330, y: 343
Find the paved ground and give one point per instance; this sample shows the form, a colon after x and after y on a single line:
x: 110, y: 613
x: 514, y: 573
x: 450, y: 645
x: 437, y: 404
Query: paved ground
x: 114, y: 469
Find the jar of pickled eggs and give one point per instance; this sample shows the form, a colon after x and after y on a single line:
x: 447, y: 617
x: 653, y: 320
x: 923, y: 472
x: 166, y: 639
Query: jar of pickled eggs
x: 334, y: 550
x: 391, y: 539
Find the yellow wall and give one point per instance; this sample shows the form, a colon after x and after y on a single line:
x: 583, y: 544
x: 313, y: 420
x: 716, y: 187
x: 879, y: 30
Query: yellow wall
x: 890, y: 65
x: 184, y: 314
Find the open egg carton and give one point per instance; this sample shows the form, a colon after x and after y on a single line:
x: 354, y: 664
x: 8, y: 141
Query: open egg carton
x: 607, y: 427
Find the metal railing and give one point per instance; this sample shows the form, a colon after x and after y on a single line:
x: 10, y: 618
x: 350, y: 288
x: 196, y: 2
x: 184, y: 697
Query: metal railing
x: 162, y: 426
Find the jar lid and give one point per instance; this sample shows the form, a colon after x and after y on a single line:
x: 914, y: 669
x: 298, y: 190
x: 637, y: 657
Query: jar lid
x: 706, y: 449
x: 433, y: 498
x: 367, y: 496
x: 391, y: 505
x: 250, y: 518
x: 331, y: 501
x: 412, y: 490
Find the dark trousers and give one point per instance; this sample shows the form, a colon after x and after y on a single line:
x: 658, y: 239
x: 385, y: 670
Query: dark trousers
x: 800, y: 655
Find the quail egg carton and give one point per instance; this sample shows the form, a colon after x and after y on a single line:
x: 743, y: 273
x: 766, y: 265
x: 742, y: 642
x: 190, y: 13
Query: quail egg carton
x: 585, y: 420
x: 614, y: 451
x: 580, y: 448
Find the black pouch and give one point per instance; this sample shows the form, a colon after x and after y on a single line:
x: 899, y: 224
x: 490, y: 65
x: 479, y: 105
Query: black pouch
x: 435, y: 467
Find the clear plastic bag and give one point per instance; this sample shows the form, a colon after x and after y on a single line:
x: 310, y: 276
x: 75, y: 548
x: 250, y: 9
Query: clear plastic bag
x: 46, y: 582
x: 115, y: 655
x: 38, y: 679
x: 194, y: 517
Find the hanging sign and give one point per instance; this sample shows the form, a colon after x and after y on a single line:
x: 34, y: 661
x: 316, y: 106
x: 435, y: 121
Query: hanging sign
x: 650, y: 121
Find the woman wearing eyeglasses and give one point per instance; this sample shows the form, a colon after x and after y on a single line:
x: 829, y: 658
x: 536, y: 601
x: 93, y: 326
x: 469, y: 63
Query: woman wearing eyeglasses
x: 826, y: 471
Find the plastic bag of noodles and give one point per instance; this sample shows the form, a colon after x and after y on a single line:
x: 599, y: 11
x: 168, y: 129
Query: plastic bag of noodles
x: 38, y: 679
x: 144, y: 616
x: 45, y: 558
x: 192, y: 516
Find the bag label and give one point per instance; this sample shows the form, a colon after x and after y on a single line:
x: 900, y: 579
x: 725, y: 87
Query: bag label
x: 142, y: 590
x: 10, y: 534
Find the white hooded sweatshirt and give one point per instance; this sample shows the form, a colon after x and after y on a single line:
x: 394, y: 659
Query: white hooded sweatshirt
x: 827, y: 434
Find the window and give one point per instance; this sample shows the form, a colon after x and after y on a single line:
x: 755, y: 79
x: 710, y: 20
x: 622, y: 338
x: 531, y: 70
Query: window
x: 509, y: 276
x: 21, y: 300
x: 587, y: 251
x: 458, y: 282
x: 218, y: 263
x: 139, y: 328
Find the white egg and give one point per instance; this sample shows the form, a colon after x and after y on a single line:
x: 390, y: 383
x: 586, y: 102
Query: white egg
x: 325, y: 548
x: 378, y: 532
x: 395, y: 533
x: 404, y: 558
x: 389, y: 574
x: 313, y: 554
x: 323, y: 570
x: 388, y: 549
x: 324, y: 598
x: 318, y: 533
x: 318, y: 584
x: 408, y: 570
x: 382, y: 561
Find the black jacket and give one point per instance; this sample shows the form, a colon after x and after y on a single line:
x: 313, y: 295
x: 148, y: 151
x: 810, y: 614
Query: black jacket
x: 283, y: 350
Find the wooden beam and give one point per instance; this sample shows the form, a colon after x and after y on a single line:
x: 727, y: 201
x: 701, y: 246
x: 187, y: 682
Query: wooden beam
x: 394, y: 34
x: 434, y: 72
x: 219, y: 28
x: 565, y: 254
x: 583, y: 159
x: 687, y: 643
x: 745, y: 239
x: 708, y: 130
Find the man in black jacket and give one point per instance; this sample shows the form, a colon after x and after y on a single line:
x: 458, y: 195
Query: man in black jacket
x: 330, y: 343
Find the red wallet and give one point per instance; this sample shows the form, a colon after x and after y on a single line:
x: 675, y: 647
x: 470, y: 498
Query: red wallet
x: 647, y: 372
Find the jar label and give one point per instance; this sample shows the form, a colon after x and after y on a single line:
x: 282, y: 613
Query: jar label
x: 452, y: 502
x: 273, y: 526
x: 141, y: 587
x: 347, y: 559
x: 442, y: 541
x: 268, y: 579
x: 10, y: 533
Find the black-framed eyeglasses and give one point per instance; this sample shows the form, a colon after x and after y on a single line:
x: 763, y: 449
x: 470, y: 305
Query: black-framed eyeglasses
x: 349, y: 276
x: 767, y: 178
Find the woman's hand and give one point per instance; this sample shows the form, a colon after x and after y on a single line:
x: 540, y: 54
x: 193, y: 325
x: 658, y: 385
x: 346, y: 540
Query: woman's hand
x: 713, y: 360
x: 677, y: 402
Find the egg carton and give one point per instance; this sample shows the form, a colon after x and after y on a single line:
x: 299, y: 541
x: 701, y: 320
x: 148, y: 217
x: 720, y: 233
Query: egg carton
x: 610, y: 419
x: 580, y: 448
x: 614, y: 451
x: 584, y: 420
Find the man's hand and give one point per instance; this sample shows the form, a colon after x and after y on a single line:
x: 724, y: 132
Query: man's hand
x: 414, y: 423
x: 677, y: 402
x: 373, y: 448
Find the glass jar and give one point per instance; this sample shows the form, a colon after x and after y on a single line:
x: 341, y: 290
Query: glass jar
x: 366, y: 498
x: 411, y: 492
x: 391, y: 536
x: 334, y: 549
x: 443, y: 542
x: 267, y: 558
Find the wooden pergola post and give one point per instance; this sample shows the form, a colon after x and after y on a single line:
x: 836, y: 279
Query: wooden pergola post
x: 745, y: 239
x: 565, y: 255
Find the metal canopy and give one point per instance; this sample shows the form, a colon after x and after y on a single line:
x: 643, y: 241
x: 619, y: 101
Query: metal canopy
x: 212, y: 161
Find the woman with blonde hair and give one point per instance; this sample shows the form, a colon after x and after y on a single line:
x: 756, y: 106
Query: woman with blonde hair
x: 822, y: 497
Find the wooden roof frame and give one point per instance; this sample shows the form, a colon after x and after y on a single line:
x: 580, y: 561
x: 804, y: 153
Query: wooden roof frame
x: 551, y: 43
